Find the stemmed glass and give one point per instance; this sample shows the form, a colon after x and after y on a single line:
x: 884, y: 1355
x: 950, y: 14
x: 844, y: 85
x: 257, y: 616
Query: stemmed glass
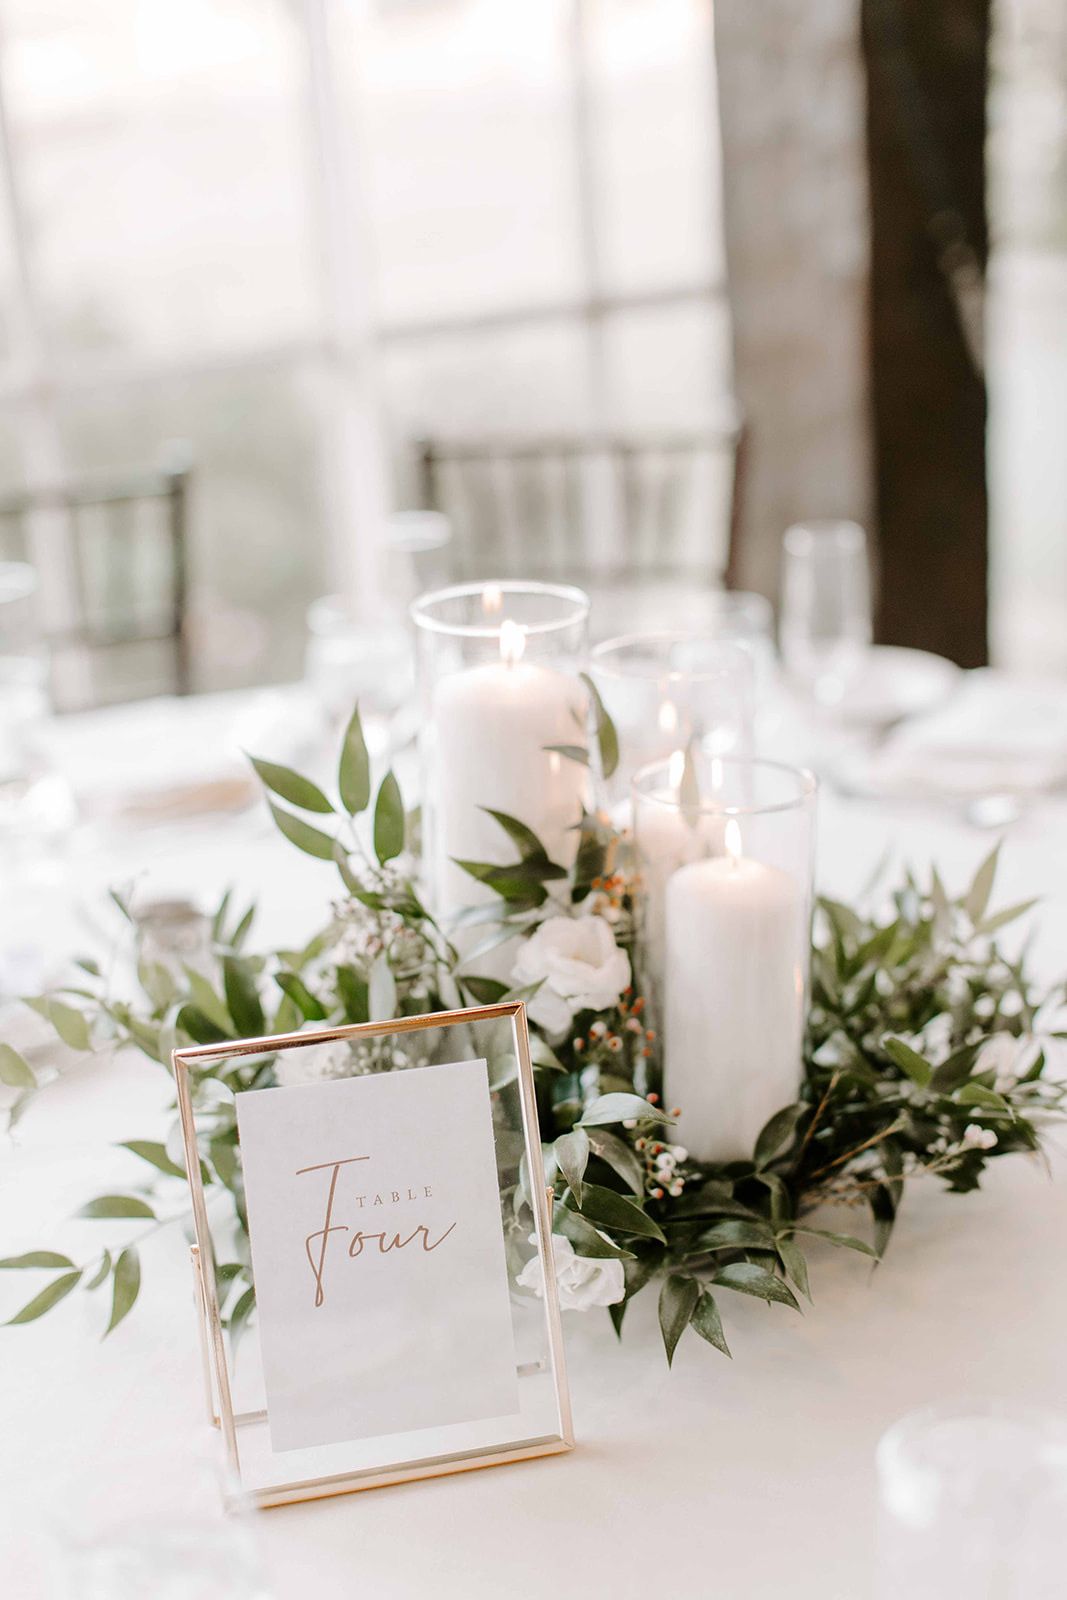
x: 825, y: 629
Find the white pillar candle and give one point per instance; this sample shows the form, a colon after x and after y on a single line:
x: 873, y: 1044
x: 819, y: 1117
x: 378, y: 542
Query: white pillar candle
x: 492, y: 724
x: 668, y: 835
x: 734, y: 1010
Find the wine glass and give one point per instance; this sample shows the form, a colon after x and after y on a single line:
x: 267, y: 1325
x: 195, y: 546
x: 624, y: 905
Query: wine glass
x: 825, y: 629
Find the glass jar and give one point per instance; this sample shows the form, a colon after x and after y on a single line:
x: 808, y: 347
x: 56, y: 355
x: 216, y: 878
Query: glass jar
x: 724, y: 853
x: 503, y: 715
x: 667, y: 691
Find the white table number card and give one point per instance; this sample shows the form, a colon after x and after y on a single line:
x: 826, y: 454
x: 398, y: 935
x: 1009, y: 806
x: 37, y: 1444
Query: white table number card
x: 378, y: 1254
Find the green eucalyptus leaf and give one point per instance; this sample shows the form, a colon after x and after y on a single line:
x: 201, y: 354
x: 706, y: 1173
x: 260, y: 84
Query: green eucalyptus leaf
x: 689, y: 797
x: 312, y: 841
x: 620, y: 1107
x: 570, y: 752
x: 883, y: 1209
x: 218, y: 921
x: 1001, y: 919
x: 973, y: 1094
x: 619, y: 1156
x: 240, y: 933
x: 954, y: 1070
x: 223, y: 1152
x: 311, y: 1010
x: 71, y: 1025
x: 543, y: 1056
x: 117, y: 1205
x: 486, y: 991
x: 353, y: 775
x: 289, y: 785
x: 127, y: 1286
x: 707, y: 1322
x: 56, y: 1291
x: 677, y: 1301
x: 572, y: 1158
x: 792, y: 1258
x: 388, y: 820
x: 354, y: 992
x: 36, y: 1259
x: 523, y: 838
x: 777, y: 1134
x: 242, y: 997
x: 745, y: 1277
x: 976, y: 899
x: 587, y: 1240
x: 200, y: 1028
x: 846, y: 1241
x: 606, y: 737
x: 155, y: 1154
x: 735, y: 1233
x: 910, y: 1062
x: 157, y: 983
x: 206, y: 1001
x: 605, y: 1208
x: 381, y: 991
x: 102, y: 1272
x: 239, y: 1319
x: 15, y: 1070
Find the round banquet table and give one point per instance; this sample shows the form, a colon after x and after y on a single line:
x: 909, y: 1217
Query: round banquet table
x: 745, y: 1478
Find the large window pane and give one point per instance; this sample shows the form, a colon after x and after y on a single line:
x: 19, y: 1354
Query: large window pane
x: 531, y: 378
x: 655, y: 145
x: 162, y: 167
x: 468, y: 161
x: 255, y: 519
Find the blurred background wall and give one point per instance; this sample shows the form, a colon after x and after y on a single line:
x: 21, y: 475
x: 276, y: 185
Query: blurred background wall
x: 266, y: 227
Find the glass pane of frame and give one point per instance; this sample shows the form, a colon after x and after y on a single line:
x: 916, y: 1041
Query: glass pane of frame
x: 210, y: 1078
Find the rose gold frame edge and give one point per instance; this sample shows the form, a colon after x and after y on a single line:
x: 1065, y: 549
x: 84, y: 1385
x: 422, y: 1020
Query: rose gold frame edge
x: 213, y: 1349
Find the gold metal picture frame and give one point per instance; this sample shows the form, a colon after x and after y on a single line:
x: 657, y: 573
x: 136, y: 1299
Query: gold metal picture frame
x: 544, y: 1426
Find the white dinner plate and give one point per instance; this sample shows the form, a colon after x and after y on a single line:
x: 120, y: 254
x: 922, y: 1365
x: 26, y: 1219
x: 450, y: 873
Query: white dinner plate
x: 895, y: 683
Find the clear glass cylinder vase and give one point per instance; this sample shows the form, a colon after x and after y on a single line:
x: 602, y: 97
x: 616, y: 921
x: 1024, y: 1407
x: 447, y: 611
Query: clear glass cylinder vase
x: 501, y: 702
x: 724, y: 856
x: 667, y: 691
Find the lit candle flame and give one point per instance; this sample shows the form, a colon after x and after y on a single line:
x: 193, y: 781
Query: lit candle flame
x: 492, y: 599
x: 668, y: 717
x: 676, y: 770
x: 512, y: 642
x: 732, y: 841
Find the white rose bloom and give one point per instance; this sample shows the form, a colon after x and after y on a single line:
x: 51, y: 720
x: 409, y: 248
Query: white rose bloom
x: 581, y: 1281
x: 579, y: 967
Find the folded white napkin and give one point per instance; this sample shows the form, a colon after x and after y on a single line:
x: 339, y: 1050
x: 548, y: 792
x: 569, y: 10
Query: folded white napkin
x: 999, y: 734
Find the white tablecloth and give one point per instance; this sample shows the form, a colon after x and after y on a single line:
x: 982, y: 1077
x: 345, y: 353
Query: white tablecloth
x: 743, y: 1478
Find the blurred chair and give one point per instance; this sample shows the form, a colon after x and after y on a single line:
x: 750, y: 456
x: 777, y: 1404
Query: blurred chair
x: 113, y: 561
x: 611, y: 512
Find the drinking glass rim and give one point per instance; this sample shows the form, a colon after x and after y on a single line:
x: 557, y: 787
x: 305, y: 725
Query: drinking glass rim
x: 422, y: 616
x: 807, y: 788
x: 667, y: 673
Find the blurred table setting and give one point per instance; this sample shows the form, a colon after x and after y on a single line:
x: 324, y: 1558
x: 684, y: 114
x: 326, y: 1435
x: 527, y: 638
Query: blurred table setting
x: 157, y: 800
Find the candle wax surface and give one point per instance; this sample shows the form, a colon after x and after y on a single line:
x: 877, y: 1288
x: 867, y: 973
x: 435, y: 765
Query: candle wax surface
x: 734, y: 987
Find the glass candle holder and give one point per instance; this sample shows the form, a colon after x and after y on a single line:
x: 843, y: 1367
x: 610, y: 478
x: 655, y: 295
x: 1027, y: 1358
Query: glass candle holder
x: 724, y: 853
x: 500, y: 700
x: 667, y: 691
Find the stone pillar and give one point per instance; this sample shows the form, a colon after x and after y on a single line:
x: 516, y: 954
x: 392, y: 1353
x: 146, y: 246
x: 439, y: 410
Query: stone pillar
x: 796, y: 224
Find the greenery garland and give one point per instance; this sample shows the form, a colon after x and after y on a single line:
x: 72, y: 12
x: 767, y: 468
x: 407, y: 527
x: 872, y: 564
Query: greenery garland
x: 925, y: 1055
